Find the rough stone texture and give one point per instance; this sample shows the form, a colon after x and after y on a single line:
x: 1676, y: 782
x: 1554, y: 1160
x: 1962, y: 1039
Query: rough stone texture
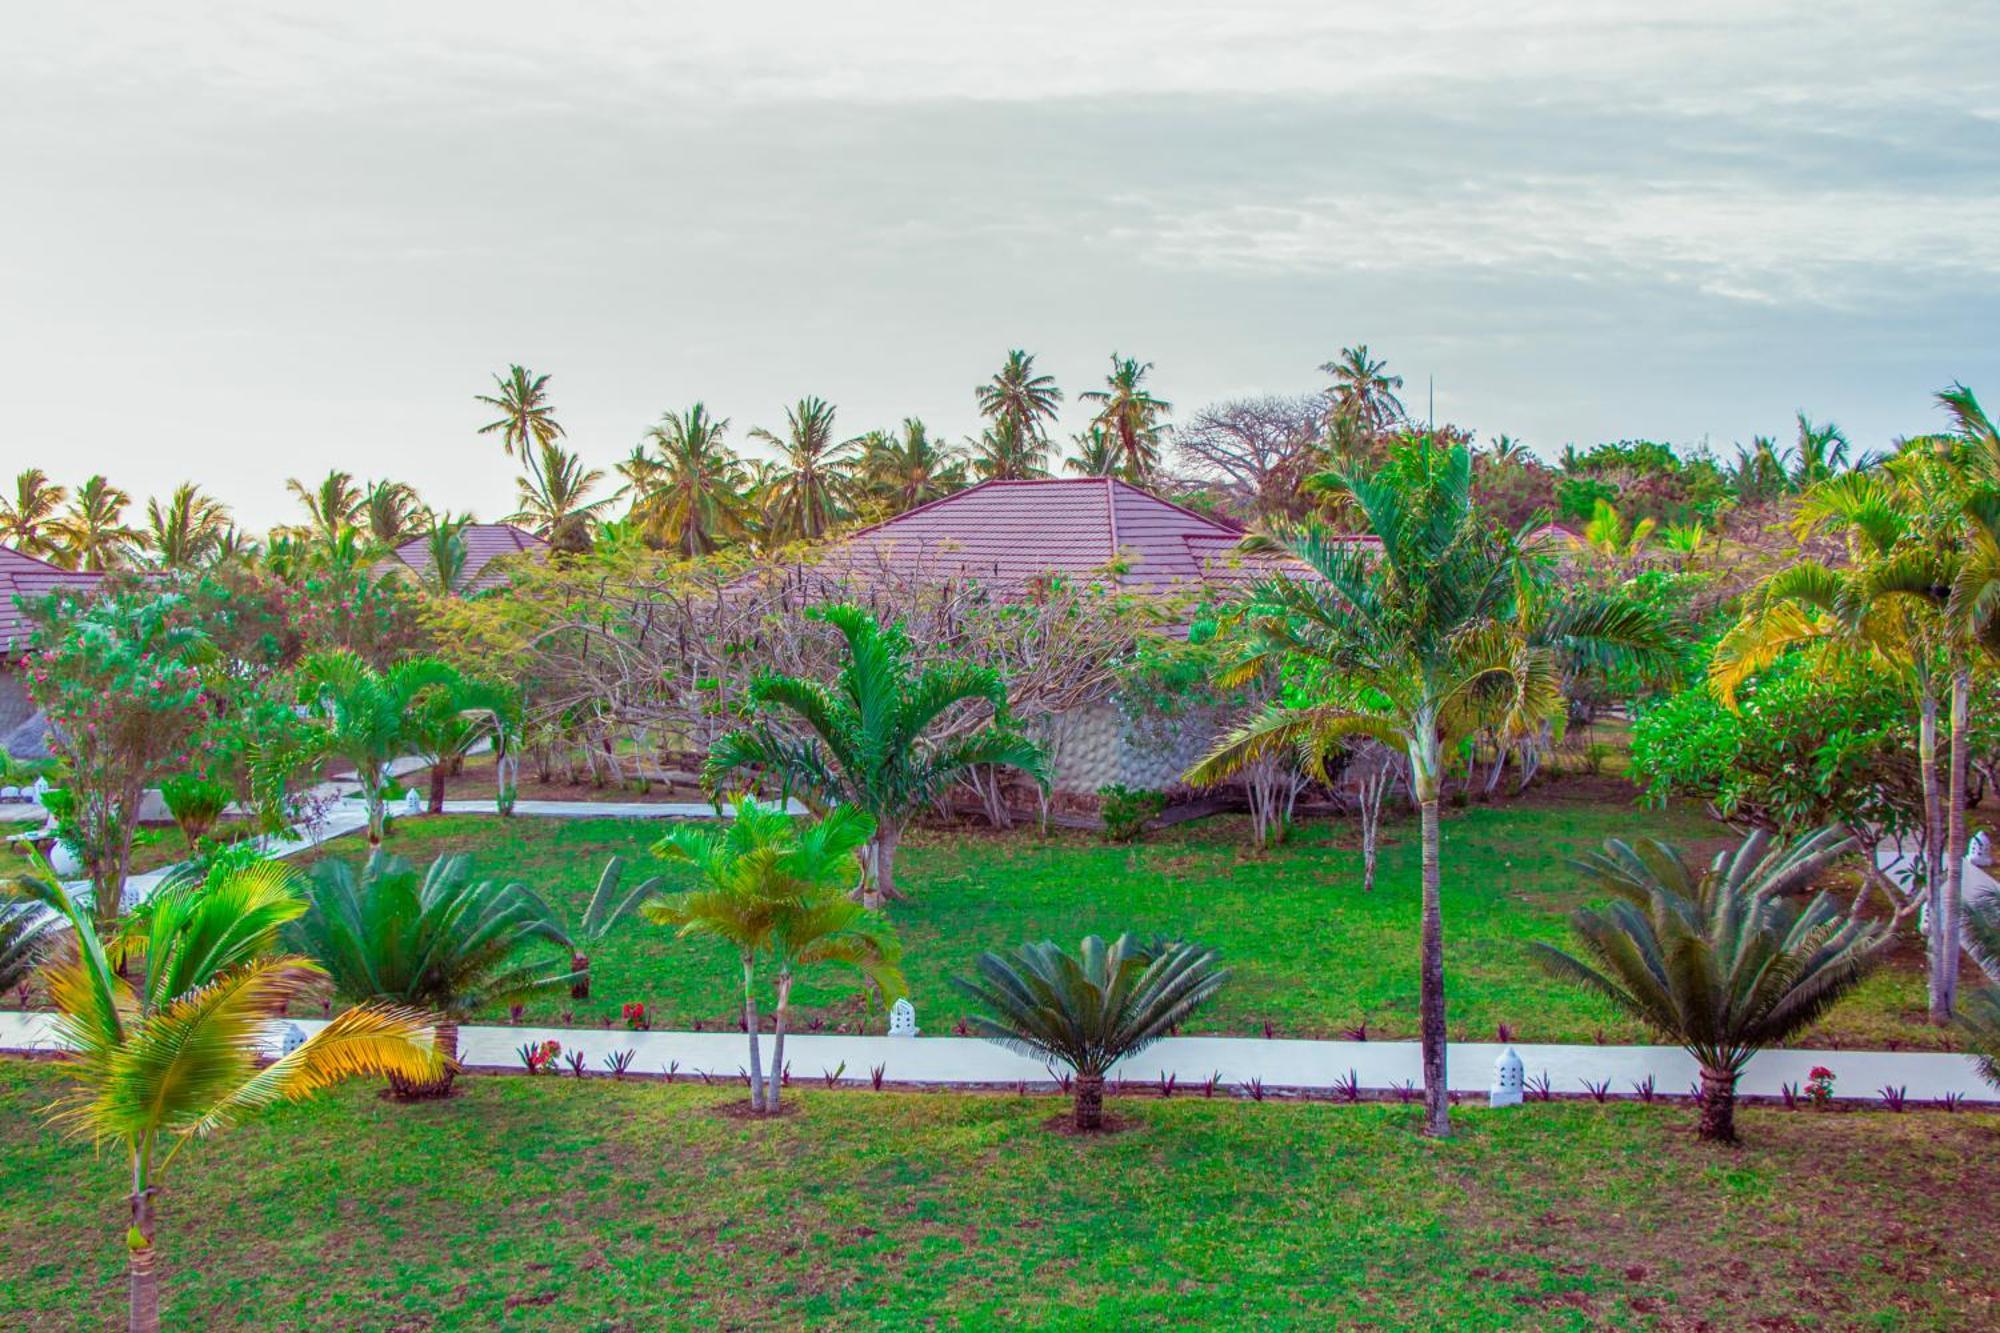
x: 1097, y: 745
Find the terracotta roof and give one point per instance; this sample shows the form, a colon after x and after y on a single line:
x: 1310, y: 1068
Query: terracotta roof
x: 484, y: 543
x: 26, y: 577
x: 1005, y: 533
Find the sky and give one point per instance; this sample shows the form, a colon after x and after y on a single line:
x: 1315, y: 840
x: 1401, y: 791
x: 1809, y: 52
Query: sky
x: 246, y: 242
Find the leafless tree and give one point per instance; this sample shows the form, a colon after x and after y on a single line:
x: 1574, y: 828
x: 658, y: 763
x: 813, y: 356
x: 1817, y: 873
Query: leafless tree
x: 1256, y: 450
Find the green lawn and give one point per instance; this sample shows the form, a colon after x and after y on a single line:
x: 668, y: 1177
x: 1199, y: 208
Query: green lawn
x: 546, y: 1203
x: 1313, y: 954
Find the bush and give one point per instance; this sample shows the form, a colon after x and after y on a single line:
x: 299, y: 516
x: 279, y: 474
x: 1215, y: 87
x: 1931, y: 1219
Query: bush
x: 195, y: 802
x: 1126, y: 812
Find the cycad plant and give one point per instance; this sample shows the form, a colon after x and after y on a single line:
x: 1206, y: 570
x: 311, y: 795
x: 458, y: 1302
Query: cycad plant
x: 609, y: 904
x: 1723, y: 962
x: 1092, y: 1010
x: 441, y: 941
x: 166, y: 1044
x: 875, y: 737
x: 772, y: 888
x: 28, y: 931
x: 1979, y: 1017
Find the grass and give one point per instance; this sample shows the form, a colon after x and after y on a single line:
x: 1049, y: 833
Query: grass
x: 1313, y: 955
x: 546, y: 1203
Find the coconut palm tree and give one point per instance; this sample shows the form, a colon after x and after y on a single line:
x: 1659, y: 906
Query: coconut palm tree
x: 442, y: 942
x: 187, y: 531
x: 28, y: 517
x: 1131, y: 415
x: 444, y: 547
x: 1021, y: 400
x: 527, y: 417
x: 330, y: 506
x: 1609, y: 533
x: 91, y: 534
x: 905, y: 468
x: 1820, y: 452
x: 1722, y: 962
x: 811, y: 490
x: 366, y: 717
x: 1363, y: 391
x: 1096, y: 454
x: 553, y: 495
x: 870, y: 738
x: 1506, y: 449
x: 1418, y: 645
x: 691, y: 497
x: 165, y: 1043
x: 1092, y: 1010
x: 390, y: 513
x: 1007, y: 452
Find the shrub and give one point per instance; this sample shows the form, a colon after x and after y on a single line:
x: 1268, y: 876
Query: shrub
x: 1126, y: 811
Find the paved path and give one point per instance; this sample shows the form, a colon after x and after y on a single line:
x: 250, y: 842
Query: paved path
x: 605, y: 809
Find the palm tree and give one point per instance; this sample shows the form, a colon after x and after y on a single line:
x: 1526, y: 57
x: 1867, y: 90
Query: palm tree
x: 390, y: 513
x: 1090, y: 1011
x: 27, y: 936
x: 1721, y: 962
x: 1979, y: 1020
x: 28, y: 518
x: 91, y: 534
x: 1820, y: 452
x: 604, y: 910
x: 1507, y: 449
x: 1130, y: 414
x: 868, y: 738
x: 330, y: 506
x: 1007, y: 452
x: 770, y: 885
x: 444, y: 943
x: 1096, y: 454
x: 811, y: 491
x: 449, y: 718
x: 367, y: 717
x: 905, y: 468
x: 527, y: 417
x: 1019, y: 394
x: 1759, y: 475
x: 164, y: 1044
x: 552, y: 494
x: 1418, y: 645
x: 691, y: 498
x: 1363, y: 391
x: 1608, y: 532
x: 444, y: 547
x: 187, y: 532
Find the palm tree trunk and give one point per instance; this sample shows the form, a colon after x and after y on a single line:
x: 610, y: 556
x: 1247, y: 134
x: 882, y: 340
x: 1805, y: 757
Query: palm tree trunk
x: 1437, y: 1109
x: 750, y: 1022
x: 881, y: 878
x: 408, y: 1090
x: 1927, y: 719
x: 1088, y: 1112
x: 1718, y: 1106
x: 1944, y: 989
x: 142, y: 1256
x: 778, y: 1043
x: 371, y: 790
x: 437, y: 788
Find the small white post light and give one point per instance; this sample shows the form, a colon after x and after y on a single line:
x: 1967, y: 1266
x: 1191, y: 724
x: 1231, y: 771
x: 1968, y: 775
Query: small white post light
x: 902, y: 1019
x: 412, y: 803
x: 1507, y: 1080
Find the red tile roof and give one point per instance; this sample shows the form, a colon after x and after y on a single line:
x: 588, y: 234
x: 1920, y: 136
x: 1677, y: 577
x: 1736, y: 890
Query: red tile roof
x: 1005, y: 533
x: 484, y: 543
x: 26, y: 577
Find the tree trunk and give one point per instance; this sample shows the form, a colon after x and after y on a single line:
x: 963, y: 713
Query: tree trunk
x: 579, y: 976
x: 880, y: 881
x: 437, y: 789
x: 1944, y: 985
x: 371, y: 790
x: 1423, y: 776
x: 750, y: 1022
x: 1933, y: 838
x: 778, y: 1042
x: 1372, y: 788
x: 1718, y: 1106
x: 424, y: 1090
x: 1087, y: 1114
x: 142, y: 1259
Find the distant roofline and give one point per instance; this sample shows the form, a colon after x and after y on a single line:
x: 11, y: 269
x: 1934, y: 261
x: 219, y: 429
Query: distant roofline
x: 1110, y: 485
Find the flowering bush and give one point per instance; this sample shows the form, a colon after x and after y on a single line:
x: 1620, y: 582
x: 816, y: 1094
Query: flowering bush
x: 537, y: 1056
x: 1819, y: 1087
x: 635, y: 1016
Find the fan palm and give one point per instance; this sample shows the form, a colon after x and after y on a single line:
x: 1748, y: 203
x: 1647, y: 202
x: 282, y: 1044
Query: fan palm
x: 165, y: 1045
x: 442, y: 942
x: 27, y: 518
x: 811, y: 490
x: 367, y: 717
x: 1721, y: 962
x: 1418, y: 645
x: 1363, y: 391
x: 91, y: 534
x: 1092, y: 1010
x: 187, y: 531
x: 868, y: 739
x: 553, y: 496
x: 527, y: 417
x: 1132, y: 416
x: 1020, y: 399
x: 691, y: 497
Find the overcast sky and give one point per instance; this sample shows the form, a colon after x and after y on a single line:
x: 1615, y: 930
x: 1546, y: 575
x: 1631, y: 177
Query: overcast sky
x: 251, y: 241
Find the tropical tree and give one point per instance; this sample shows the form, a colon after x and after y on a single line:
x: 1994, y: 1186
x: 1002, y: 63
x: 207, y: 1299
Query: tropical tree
x: 527, y: 417
x: 28, y: 934
x: 690, y: 498
x: 553, y: 495
x: 608, y: 906
x: 1418, y: 645
x: 91, y: 533
x: 1092, y: 1010
x: 905, y: 468
x: 1979, y: 1020
x: 1363, y: 391
x: 1508, y: 450
x: 448, y: 718
x: 1610, y: 533
x: 444, y: 545
x: 884, y: 736
x: 367, y: 717
x: 1722, y: 962
x: 1131, y: 415
x: 443, y: 942
x: 390, y: 513
x: 28, y: 517
x: 811, y: 489
x: 772, y: 886
x: 1820, y: 452
x: 165, y: 1042
x: 1096, y: 455
x: 1021, y: 401
x: 330, y: 506
x: 1007, y: 451
x: 187, y: 531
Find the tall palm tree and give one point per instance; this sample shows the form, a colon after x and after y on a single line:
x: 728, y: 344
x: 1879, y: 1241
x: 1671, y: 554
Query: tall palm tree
x: 905, y: 468
x: 331, y: 506
x: 554, y: 496
x: 691, y: 497
x: 391, y: 513
x: 1507, y: 449
x: 186, y: 532
x: 772, y: 885
x: 1006, y: 451
x: 165, y: 1042
x: 1363, y: 391
x: 444, y: 547
x: 1418, y: 645
x: 366, y: 717
x: 91, y: 534
x: 1021, y: 400
x: 28, y: 517
x: 527, y: 417
x: 1090, y: 1011
x: 1097, y: 454
x: 1721, y: 962
x: 1131, y: 415
x: 1820, y: 452
x: 868, y: 739
x: 812, y: 488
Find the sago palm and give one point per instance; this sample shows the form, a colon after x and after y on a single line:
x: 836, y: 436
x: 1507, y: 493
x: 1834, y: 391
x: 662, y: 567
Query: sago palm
x: 1722, y: 962
x: 442, y: 941
x: 367, y: 717
x: 869, y: 738
x: 1418, y: 645
x: 165, y: 1044
x: 1090, y: 1011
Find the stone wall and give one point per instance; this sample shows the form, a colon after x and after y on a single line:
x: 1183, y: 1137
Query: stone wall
x: 1097, y: 745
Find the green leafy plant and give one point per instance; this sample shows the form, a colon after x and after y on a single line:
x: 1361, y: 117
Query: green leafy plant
x: 607, y: 907
x: 1126, y: 811
x: 196, y: 803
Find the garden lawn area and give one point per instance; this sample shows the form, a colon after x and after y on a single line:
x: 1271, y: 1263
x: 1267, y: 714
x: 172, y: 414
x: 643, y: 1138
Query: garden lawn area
x: 549, y: 1203
x: 1313, y: 955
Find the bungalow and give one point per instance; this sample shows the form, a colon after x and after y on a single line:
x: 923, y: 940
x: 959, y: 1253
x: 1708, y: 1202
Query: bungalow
x: 23, y: 730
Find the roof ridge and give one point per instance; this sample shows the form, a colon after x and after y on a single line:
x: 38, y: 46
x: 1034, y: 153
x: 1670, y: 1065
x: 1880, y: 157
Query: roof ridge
x: 1111, y: 516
